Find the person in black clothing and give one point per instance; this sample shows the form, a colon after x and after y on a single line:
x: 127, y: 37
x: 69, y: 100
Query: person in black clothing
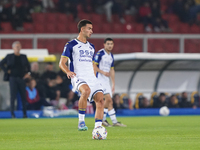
x: 145, y: 103
x: 173, y: 102
x: 116, y: 102
x: 17, y: 67
x: 65, y: 89
x: 160, y: 102
x: 159, y: 23
x: 184, y: 103
x: 50, y: 81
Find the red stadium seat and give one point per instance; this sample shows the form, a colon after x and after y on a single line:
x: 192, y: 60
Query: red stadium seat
x: 62, y: 18
x: 28, y: 27
x: 50, y: 28
x: 106, y: 28
x: 50, y: 45
x: 72, y: 27
x: 6, y: 26
x: 41, y: 43
x: 195, y: 29
x: 96, y: 18
x: 139, y: 28
x: 84, y: 16
x: 59, y: 45
x: 39, y: 17
x: 6, y: 44
x: 175, y: 27
x: 129, y: 18
x: 51, y: 17
x: 97, y: 28
x: 117, y: 28
x: 61, y: 27
x: 39, y: 27
x: 184, y: 28
x: 192, y: 46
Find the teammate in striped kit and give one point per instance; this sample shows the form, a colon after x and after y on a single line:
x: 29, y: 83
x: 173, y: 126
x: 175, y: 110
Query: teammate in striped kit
x: 79, y: 54
x: 104, y: 66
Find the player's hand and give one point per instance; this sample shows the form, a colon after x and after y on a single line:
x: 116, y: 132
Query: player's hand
x: 107, y: 74
x: 70, y: 74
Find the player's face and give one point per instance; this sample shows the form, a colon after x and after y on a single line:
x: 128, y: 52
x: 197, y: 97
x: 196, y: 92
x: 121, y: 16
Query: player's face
x: 87, y: 30
x: 108, y: 45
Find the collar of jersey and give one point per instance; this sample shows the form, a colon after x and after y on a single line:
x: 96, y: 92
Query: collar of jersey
x: 81, y: 42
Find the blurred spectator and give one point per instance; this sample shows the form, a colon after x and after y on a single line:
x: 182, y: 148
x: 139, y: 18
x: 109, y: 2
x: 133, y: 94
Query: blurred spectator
x: 182, y: 10
x: 118, y: 9
x: 15, y: 12
x: 103, y: 6
x: 184, y: 103
x: 4, y: 11
x: 34, y: 71
x: 37, y: 6
x: 50, y: 82
x: 145, y: 16
x: 159, y: 23
x: 40, y: 85
x: 173, y: 102
x: 69, y: 7
x: 160, y: 102
x: 117, y: 102
x: 145, y: 103
x: 33, y: 98
x: 48, y: 5
x: 26, y: 12
x: 132, y: 7
x: 66, y: 90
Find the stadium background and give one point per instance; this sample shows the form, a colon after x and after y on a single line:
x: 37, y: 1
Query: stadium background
x: 51, y: 29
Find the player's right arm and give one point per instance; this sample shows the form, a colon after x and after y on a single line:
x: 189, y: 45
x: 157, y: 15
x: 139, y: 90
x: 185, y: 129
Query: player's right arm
x: 64, y: 68
x: 67, y: 54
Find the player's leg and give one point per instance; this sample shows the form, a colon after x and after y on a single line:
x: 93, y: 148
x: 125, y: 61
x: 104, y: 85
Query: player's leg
x: 85, y: 92
x: 98, y: 98
x: 106, y: 105
x: 112, y: 113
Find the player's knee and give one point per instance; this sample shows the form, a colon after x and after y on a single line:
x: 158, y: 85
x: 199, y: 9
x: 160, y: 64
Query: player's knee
x: 86, y: 92
x: 99, y: 102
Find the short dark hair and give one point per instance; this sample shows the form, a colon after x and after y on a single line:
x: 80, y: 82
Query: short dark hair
x: 83, y: 23
x: 108, y: 39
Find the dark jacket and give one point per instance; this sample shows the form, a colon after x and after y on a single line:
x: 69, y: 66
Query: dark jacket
x: 8, y: 62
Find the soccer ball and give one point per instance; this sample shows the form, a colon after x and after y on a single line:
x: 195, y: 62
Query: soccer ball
x: 164, y: 111
x: 99, y: 133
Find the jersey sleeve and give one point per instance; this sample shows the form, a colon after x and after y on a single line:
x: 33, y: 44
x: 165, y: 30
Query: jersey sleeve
x: 112, y: 64
x: 97, y: 58
x: 67, y: 52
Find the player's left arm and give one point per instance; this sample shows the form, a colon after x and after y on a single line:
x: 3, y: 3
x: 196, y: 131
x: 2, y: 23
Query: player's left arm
x: 112, y: 77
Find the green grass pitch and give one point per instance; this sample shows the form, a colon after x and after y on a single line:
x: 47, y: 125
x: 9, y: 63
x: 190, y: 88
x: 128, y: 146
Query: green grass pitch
x: 141, y: 133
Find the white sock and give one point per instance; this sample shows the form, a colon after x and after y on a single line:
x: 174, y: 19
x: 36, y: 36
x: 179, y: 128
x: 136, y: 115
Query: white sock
x: 98, y: 124
x: 112, y: 115
x: 81, y: 117
x: 105, y: 113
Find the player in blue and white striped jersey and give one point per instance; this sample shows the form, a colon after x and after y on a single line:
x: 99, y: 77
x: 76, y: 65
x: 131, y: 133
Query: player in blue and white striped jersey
x: 79, y: 54
x: 104, y: 66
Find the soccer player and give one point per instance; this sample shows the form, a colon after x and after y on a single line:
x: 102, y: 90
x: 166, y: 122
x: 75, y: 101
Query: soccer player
x: 104, y: 66
x: 79, y: 54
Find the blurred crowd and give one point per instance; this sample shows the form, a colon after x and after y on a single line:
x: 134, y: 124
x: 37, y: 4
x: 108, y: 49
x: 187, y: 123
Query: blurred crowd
x: 179, y: 100
x: 148, y: 12
x: 49, y: 88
